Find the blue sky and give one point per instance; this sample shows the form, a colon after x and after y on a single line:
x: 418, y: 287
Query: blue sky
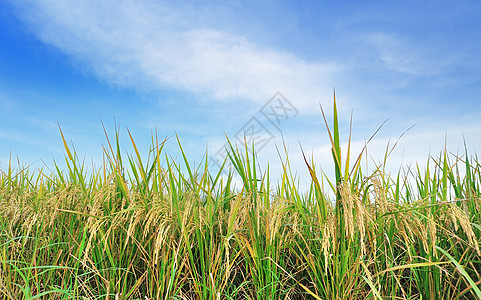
x: 202, y: 69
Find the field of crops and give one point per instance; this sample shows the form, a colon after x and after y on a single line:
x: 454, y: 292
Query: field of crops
x: 159, y: 229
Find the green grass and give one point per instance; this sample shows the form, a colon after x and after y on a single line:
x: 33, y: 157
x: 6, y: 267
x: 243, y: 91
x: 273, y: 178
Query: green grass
x: 160, y: 229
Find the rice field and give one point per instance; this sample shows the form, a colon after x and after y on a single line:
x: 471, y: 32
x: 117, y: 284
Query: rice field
x: 156, y: 228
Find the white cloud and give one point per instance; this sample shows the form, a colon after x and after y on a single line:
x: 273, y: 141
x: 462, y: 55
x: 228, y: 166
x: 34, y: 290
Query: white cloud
x: 149, y: 46
x: 401, y: 55
x: 425, y: 57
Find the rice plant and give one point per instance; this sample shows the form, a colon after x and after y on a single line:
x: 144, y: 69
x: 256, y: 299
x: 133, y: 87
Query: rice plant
x: 157, y: 228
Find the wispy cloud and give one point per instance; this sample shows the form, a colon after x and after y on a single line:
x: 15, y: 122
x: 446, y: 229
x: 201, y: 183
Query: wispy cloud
x: 399, y: 55
x: 143, y: 45
x: 416, y: 56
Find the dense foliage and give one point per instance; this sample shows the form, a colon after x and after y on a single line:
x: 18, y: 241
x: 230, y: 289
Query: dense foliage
x: 135, y: 230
